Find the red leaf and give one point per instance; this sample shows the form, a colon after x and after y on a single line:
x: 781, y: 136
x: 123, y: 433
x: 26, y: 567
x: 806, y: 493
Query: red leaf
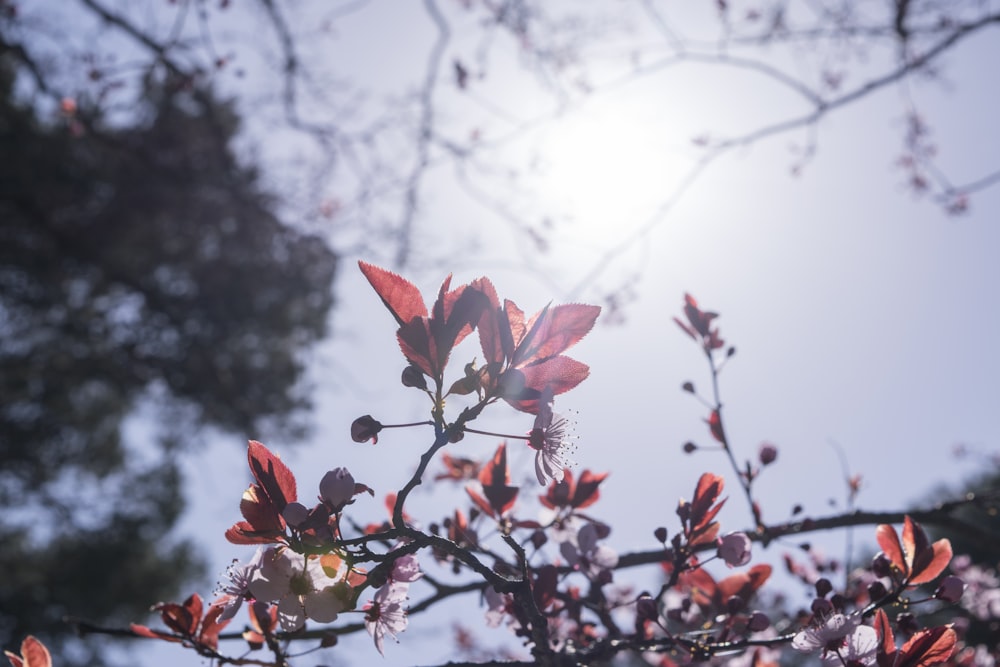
x: 912, y: 533
x: 744, y: 584
x: 143, y: 631
x: 927, y: 647
x: 273, y: 476
x: 587, y: 492
x: 495, y: 480
x: 211, y: 627
x: 886, y: 655
x: 715, y: 426
x: 931, y: 562
x: 706, y: 492
x: 701, y: 585
x: 888, y: 539
x: 554, y: 330
x: 557, y: 374
x: 399, y: 295
x: 33, y: 654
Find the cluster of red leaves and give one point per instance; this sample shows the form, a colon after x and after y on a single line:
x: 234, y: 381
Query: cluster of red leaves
x: 523, y: 357
x: 498, y: 495
x: 931, y: 646
x: 574, y: 494
x: 33, y: 654
x: 698, y: 516
x: 914, y: 559
x: 427, y: 337
x: 707, y: 592
x: 187, y: 622
x: 265, y: 500
x: 699, y: 325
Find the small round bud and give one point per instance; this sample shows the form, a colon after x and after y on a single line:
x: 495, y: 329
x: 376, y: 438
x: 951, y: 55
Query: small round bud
x: 660, y: 534
x: 877, y: 591
x: 758, y: 622
x: 881, y: 567
x: 336, y: 489
x: 538, y: 539
x: 734, y: 604
x: 950, y: 590
x: 688, y: 387
x: 734, y: 549
x: 689, y: 447
x: 365, y: 428
x: 645, y: 608
x: 767, y: 454
x: 823, y: 587
x: 822, y: 608
x: 907, y: 623
x: 413, y: 377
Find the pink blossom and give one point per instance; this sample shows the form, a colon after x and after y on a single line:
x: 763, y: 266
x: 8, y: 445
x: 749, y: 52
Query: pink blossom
x: 300, y: 587
x: 405, y: 569
x: 238, y: 588
x: 552, y: 443
x: 586, y: 555
x: 841, y: 639
x: 385, y: 613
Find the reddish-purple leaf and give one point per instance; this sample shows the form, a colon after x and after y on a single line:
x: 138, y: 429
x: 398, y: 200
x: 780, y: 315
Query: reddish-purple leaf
x: 399, y: 295
x: 211, y: 626
x: 495, y: 480
x: 931, y: 562
x: 927, y: 647
x: 888, y: 540
x: 33, y: 654
x: 554, y: 330
x: 886, y: 654
x: 272, y: 475
x: 715, y: 426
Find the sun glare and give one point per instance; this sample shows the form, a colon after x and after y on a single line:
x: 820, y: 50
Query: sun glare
x: 605, y: 166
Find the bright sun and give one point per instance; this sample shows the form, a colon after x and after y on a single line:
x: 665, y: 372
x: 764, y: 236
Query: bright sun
x: 606, y: 166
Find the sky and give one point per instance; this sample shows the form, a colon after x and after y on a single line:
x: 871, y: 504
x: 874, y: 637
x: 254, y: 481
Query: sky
x: 864, y: 316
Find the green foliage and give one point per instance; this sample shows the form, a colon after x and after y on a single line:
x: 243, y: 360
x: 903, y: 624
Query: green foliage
x: 137, y: 262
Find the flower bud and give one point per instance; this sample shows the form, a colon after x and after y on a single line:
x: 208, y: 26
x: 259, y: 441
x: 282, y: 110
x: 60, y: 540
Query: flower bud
x: 877, y: 591
x: 734, y: 604
x: 823, y: 587
x: 758, y: 622
x: 950, y: 590
x: 645, y: 608
x: 881, y: 567
x: 414, y: 377
x: 364, y: 429
x: 822, y: 608
x: 767, y: 454
x: 688, y: 387
x: 336, y: 488
x: 295, y: 514
x: 734, y: 548
x: 689, y: 447
x: 660, y: 534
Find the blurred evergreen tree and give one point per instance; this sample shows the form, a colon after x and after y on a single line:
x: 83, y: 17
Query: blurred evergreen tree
x: 140, y: 265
